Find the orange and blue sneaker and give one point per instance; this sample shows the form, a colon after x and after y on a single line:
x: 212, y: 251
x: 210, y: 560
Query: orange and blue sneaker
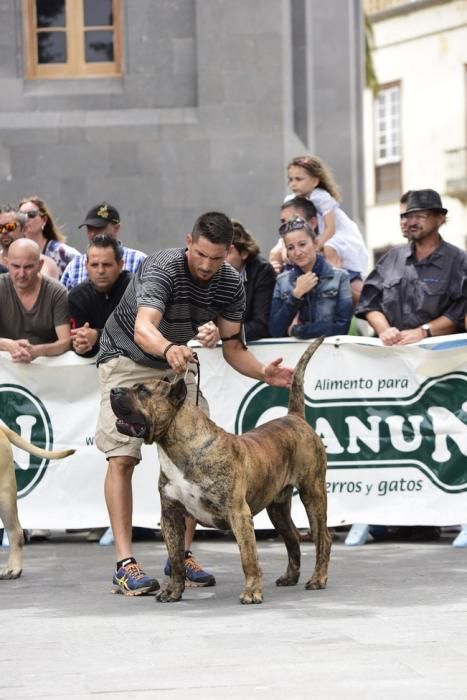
x: 194, y: 574
x: 131, y: 579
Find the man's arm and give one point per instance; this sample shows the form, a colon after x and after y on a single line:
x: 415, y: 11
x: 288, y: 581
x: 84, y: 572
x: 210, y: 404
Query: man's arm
x: 276, y: 256
x: 244, y: 362
x: 24, y: 351
x: 9, y: 345
x: 439, y: 326
x: 378, y: 322
x: 147, y: 334
x: 84, y: 337
x: 393, y: 336
x: 58, y: 347
x: 389, y: 335
x: 151, y: 340
x: 85, y: 340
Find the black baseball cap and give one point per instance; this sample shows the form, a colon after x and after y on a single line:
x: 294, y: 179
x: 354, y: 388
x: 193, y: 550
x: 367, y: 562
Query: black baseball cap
x: 100, y: 215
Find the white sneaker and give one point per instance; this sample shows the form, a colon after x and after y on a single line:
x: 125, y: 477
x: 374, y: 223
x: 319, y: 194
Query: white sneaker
x: 40, y: 534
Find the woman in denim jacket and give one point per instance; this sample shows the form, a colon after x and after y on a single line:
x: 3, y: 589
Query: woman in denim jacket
x: 313, y: 298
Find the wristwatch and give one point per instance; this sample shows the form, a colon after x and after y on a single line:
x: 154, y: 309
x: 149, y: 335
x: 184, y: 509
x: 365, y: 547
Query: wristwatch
x: 427, y: 330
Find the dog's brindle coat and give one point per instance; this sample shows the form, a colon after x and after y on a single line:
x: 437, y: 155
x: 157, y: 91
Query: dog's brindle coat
x: 8, y: 496
x: 223, y: 479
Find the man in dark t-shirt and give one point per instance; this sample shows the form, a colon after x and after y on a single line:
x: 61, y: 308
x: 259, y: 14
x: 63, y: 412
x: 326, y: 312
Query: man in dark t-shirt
x: 34, y: 321
x: 171, y: 295
x: 91, y: 302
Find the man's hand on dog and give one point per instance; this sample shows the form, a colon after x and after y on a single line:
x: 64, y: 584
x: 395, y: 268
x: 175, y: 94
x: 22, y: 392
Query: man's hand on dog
x: 277, y: 375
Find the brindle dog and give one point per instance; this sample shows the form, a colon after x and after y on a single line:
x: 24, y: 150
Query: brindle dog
x: 8, y: 495
x: 223, y: 479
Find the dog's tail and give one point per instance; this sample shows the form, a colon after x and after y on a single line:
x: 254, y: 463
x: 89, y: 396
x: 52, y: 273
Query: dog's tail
x: 296, y: 394
x: 17, y: 440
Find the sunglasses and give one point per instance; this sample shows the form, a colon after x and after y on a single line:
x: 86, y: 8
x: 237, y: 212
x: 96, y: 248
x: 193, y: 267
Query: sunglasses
x: 9, y: 227
x: 295, y: 224
x: 32, y: 214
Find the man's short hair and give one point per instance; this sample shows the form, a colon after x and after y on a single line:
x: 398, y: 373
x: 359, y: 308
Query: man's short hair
x: 302, y: 205
x: 105, y: 240
x: 216, y: 227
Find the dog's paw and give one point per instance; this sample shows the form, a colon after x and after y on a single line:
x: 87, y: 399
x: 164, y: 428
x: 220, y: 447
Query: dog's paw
x: 315, y: 584
x: 9, y: 574
x: 288, y: 580
x: 251, y: 597
x: 166, y: 596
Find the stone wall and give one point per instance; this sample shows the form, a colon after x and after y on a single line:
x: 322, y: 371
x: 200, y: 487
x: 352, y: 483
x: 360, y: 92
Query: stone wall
x: 206, y: 115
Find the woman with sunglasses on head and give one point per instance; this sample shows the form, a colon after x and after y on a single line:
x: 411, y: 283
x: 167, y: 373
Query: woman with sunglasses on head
x: 312, y: 298
x: 11, y: 228
x: 40, y: 227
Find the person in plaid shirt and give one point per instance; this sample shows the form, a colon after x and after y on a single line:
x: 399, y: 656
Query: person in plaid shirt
x: 103, y: 218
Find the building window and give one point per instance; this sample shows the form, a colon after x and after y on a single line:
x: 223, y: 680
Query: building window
x: 72, y: 38
x: 300, y: 79
x: 388, y: 144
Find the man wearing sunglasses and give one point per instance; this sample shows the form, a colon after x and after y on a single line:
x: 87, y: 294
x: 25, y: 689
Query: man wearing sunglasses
x: 11, y: 228
x: 6, y: 228
x: 100, y: 219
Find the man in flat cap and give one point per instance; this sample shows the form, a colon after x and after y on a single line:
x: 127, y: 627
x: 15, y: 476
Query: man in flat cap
x: 415, y: 290
x: 102, y: 218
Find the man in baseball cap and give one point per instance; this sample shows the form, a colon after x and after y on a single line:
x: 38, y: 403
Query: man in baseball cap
x: 102, y: 218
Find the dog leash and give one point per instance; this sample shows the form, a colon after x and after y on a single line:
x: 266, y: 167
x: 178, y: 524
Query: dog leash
x: 195, y: 357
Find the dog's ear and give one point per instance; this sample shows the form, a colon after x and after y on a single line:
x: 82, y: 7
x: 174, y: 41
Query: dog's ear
x: 166, y: 379
x: 177, y: 393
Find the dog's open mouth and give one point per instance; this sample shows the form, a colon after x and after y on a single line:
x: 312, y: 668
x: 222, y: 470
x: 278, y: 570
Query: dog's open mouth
x: 129, y: 422
x: 137, y: 430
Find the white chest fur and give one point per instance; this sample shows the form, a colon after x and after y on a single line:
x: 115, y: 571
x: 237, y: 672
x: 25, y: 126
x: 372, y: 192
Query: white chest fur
x: 180, y: 489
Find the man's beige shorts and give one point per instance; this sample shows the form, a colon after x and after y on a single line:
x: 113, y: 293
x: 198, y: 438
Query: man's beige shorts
x: 123, y: 372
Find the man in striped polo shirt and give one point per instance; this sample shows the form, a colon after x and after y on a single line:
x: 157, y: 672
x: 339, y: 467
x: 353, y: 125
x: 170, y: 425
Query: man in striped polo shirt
x: 172, y: 294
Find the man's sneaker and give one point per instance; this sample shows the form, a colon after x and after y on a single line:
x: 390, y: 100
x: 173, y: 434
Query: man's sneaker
x: 194, y: 574
x: 131, y: 580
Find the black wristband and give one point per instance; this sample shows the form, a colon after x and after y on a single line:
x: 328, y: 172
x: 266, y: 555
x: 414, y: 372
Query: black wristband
x: 167, y: 348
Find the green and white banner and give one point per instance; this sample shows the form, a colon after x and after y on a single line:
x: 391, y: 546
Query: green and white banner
x: 394, y: 422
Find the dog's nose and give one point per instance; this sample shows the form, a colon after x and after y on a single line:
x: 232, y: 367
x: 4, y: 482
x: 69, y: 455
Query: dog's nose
x: 116, y: 391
